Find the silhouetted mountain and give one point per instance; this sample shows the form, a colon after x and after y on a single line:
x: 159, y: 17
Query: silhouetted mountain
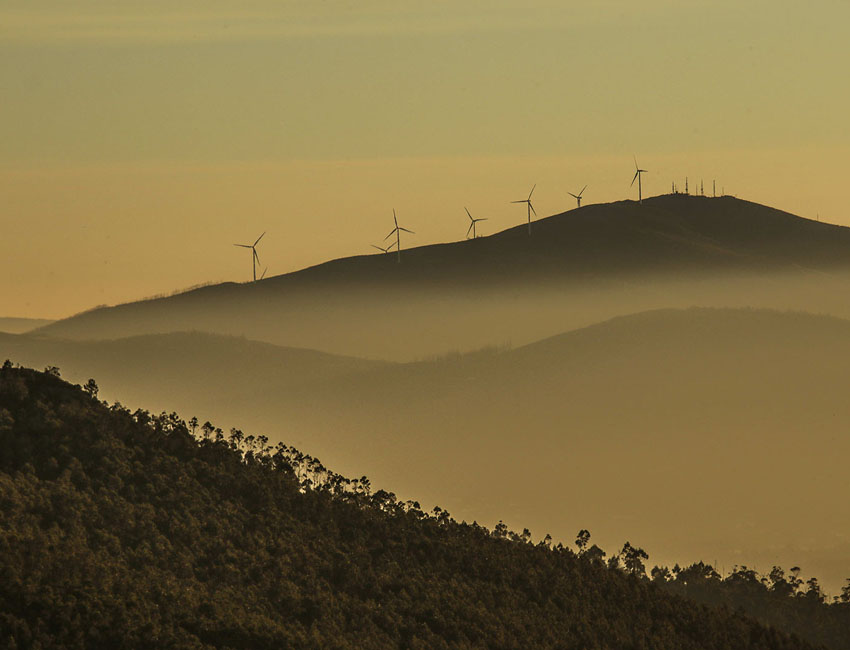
x: 122, y: 530
x: 21, y: 325
x: 576, y: 268
x: 727, y: 425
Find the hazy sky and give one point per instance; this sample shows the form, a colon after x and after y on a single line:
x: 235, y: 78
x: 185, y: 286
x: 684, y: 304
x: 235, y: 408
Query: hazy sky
x: 141, y: 139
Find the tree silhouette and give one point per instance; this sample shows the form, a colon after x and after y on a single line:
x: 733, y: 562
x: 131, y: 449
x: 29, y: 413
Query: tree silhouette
x: 91, y: 388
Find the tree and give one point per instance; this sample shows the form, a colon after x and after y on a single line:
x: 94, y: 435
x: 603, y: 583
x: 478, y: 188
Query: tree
x: 661, y: 574
x: 845, y: 593
x: 582, y: 540
x: 814, y: 592
x: 594, y: 554
x: 91, y: 388
x: 633, y: 558
x: 778, y: 583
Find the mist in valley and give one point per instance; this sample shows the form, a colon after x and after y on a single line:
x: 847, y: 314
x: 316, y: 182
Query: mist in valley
x: 712, y: 434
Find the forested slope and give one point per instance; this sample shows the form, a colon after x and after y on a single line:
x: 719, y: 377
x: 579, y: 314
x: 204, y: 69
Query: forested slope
x: 125, y: 530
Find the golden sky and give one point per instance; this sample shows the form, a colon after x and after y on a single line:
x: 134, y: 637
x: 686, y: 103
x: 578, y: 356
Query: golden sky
x: 141, y: 139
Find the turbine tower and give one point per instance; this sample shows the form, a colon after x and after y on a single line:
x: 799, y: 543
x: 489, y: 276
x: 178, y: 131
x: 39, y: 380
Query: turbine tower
x: 530, y: 207
x: 577, y: 197
x: 255, y: 259
x: 397, y: 232
x: 472, y: 223
x: 638, y: 172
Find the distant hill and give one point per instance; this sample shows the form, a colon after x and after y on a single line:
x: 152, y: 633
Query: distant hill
x: 721, y: 421
x: 229, y: 368
x: 577, y: 267
x: 20, y: 325
x: 123, y: 530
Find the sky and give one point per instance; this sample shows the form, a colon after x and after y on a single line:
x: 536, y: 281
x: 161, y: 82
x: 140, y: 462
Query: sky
x: 140, y: 141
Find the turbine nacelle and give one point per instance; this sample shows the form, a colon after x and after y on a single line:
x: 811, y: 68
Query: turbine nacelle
x: 636, y: 177
x: 577, y: 197
x: 397, y: 232
x: 255, y: 258
x: 472, y: 222
x: 530, y: 207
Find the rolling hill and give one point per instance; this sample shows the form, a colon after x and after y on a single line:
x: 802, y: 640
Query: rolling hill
x: 728, y: 425
x: 577, y: 268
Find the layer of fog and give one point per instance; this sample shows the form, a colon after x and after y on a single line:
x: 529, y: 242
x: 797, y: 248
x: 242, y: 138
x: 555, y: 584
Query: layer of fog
x: 407, y: 323
x: 713, y: 435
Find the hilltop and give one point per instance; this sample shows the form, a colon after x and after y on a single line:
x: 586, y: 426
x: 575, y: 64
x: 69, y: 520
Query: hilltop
x: 577, y: 267
x: 123, y: 530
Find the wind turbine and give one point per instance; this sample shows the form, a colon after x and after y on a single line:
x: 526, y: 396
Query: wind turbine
x: 397, y: 232
x: 638, y: 172
x: 577, y: 197
x: 472, y: 223
x: 254, y: 257
x: 530, y: 207
x: 382, y: 249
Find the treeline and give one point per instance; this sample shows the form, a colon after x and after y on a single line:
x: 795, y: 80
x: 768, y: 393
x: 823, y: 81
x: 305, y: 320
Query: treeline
x: 125, y: 529
x: 778, y: 599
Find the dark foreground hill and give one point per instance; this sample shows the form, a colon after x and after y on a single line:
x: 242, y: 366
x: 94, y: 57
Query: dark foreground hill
x: 576, y: 268
x: 120, y: 530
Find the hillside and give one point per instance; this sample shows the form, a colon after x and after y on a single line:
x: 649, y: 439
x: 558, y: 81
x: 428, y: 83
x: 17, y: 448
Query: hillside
x: 578, y: 267
x: 21, y: 325
x: 186, y: 361
x: 121, y: 530
x: 722, y: 421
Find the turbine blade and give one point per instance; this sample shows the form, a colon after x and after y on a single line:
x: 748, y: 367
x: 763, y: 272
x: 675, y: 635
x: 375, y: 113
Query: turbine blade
x: 256, y: 257
x: 523, y: 201
x: 470, y: 229
x: 635, y: 157
x: 532, y: 191
x: 406, y: 230
x: 482, y: 218
x: 532, y: 208
x: 394, y: 218
x: 390, y: 247
x: 243, y: 245
x: 572, y: 195
x: 264, y: 273
x: 392, y: 232
x: 383, y: 250
x: 582, y: 190
x: 467, y: 212
x: 634, y: 179
x: 259, y: 238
